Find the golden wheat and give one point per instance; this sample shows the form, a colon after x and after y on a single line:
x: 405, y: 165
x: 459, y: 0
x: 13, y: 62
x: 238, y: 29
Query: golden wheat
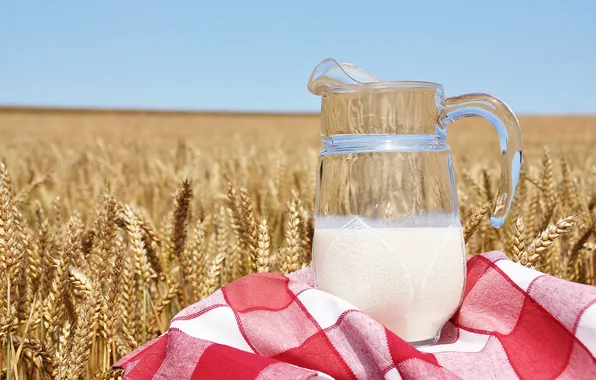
x: 101, y: 244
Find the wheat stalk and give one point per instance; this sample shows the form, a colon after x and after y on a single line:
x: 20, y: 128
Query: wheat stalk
x: 38, y: 348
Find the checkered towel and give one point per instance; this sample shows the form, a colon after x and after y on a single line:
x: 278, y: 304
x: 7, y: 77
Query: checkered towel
x: 514, y: 323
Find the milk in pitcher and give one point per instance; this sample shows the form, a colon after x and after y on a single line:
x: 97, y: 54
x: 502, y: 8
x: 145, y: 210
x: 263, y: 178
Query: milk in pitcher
x: 410, y: 279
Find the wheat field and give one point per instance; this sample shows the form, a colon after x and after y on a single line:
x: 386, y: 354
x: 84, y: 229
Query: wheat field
x: 111, y: 222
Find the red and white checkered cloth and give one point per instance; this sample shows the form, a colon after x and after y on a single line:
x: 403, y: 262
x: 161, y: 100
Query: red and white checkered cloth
x: 514, y: 323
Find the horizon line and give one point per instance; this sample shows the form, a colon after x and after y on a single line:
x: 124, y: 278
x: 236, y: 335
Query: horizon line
x: 7, y: 108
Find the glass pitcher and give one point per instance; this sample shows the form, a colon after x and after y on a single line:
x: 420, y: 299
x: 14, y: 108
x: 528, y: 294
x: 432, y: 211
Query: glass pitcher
x: 388, y: 237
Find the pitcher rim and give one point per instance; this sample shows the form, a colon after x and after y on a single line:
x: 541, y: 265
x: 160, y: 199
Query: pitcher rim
x: 377, y: 86
x: 394, y: 84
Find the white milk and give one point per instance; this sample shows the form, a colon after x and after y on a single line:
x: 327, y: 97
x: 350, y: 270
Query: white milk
x: 410, y: 279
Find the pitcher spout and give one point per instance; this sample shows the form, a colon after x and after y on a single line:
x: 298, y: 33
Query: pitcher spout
x: 331, y: 76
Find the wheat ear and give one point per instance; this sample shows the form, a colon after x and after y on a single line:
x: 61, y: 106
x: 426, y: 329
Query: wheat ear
x: 82, y: 339
x: 178, y: 234
x: 547, y: 237
x: 198, y: 257
x: 212, y: 282
x: 290, y: 254
x: 263, y: 250
x: 474, y: 221
x: 520, y: 255
x: 250, y: 228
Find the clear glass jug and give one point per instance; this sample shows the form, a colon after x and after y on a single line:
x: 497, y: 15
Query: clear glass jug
x: 388, y: 237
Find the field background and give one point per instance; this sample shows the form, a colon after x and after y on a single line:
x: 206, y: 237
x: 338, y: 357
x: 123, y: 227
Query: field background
x: 103, y: 241
x: 67, y: 126
x: 473, y: 137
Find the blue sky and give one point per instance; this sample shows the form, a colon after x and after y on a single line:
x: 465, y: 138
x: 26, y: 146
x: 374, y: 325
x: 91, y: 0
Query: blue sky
x: 538, y: 56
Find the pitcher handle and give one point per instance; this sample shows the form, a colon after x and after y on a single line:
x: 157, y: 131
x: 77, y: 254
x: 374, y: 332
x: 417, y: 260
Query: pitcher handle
x: 503, y: 119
